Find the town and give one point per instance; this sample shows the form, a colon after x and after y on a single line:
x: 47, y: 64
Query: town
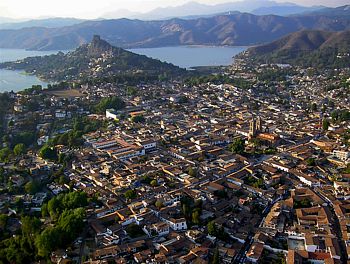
x: 250, y: 165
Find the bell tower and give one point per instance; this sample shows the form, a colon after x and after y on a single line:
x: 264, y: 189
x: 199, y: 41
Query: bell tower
x: 252, y: 128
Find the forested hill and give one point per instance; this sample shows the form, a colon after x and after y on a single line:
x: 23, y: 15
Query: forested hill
x: 306, y: 48
x: 97, y: 59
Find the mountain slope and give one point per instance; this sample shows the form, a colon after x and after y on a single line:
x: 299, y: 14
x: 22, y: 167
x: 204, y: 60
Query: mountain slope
x: 195, y: 9
x: 306, y: 48
x: 98, y: 59
x: 235, y: 29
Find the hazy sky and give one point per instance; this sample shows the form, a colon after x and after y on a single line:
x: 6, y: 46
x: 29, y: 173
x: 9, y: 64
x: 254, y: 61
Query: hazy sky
x: 95, y: 8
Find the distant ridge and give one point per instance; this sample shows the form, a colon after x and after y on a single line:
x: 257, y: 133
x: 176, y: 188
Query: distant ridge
x: 53, y: 22
x: 341, y: 11
x: 196, y: 9
x: 237, y: 29
x: 306, y: 48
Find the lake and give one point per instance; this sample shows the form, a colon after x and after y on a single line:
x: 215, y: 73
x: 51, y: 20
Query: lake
x: 17, y: 80
x: 191, y: 56
x: 183, y: 56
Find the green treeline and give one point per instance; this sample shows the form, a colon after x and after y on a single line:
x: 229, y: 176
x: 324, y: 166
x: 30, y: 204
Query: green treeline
x: 36, y: 241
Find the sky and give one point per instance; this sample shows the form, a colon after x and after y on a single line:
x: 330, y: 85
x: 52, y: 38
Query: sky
x: 94, y: 9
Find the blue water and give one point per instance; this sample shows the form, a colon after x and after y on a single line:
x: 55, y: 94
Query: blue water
x: 183, y: 56
x: 16, y: 80
x: 191, y: 56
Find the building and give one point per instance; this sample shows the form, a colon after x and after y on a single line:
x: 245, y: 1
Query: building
x: 255, y: 251
x: 342, y: 154
x: 111, y: 114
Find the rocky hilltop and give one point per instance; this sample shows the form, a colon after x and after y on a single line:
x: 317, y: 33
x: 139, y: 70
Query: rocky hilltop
x: 97, y: 59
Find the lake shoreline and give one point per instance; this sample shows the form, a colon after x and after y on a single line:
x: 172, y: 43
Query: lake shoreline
x: 187, y: 56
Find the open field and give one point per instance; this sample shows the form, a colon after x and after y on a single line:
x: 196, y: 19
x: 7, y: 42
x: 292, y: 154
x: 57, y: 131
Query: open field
x: 65, y: 93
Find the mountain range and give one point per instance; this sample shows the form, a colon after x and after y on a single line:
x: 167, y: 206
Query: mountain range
x: 195, y: 9
x: 97, y: 59
x: 188, y: 10
x: 234, y: 29
x: 306, y: 48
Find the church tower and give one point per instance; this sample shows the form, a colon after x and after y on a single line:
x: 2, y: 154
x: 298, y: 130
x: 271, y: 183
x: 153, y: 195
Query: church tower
x: 259, y: 124
x: 252, y: 128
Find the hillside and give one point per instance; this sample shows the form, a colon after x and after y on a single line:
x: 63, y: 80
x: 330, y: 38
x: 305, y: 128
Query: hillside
x: 234, y: 29
x: 97, y: 59
x: 306, y: 48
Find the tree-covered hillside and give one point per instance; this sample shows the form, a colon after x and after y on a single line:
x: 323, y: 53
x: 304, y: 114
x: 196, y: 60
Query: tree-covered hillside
x: 94, y: 60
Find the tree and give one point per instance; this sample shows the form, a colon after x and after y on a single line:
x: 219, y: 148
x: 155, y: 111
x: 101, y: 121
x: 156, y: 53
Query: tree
x: 310, y: 162
x: 5, y: 154
x: 47, y: 152
x: 134, y: 230
x: 325, y: 124
x: 304, y: 203
x: 281, y: 258
x: 347, y: 169
x: 154, y: 183
x: 53, y: 207
x: 183, y: 99
x: 238, y: 146
x: 47, y: 241
x: 19, y: 149
x: 159, y: 204
x: 44, y: 210
x: 30, y: 227
x: 70, y: 224
x: 62, y: 180
x: 16, y: 250
x: 186, y: 210
x: 212, y: 230
x: 146, y: 179
x: 11, y: 123
x: 73, y: 200
x: 314, y: 107
x: 130, y: 194
x: 3, y: 221
x: 26, y: 137
x: 196, y: 217
x: 216, y: 257
x: 32, y: 187
x: 192, y: 172
x: 131, y: 91
x: 138, y: 119
x: 256, y: 142
x: 111, y: 102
